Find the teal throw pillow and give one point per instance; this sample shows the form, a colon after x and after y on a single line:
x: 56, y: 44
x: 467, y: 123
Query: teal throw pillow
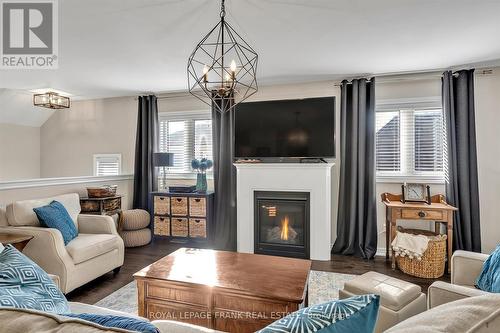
x: 24, y: 285
x: 54, y: 215
x: 355, y: 314
x: 489, y: 279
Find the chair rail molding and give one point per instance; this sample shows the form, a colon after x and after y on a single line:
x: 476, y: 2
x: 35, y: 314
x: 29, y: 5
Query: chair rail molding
x: 17, y: 184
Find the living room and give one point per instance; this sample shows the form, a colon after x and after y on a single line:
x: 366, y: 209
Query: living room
x: 335, y: 152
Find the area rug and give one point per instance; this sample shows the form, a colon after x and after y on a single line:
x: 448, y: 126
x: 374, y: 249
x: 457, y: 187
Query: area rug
x: 323, y: 287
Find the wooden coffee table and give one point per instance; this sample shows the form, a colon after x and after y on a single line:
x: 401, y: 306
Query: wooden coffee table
x: 226, y: 291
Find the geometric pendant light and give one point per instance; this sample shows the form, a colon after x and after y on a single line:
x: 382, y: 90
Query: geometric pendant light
x: 222, y: 67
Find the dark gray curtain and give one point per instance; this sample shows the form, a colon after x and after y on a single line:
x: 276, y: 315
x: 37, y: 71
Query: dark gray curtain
x: 224, y: 176
x: 462, y: 181
x: 357, y: 214
x: 146, y: 142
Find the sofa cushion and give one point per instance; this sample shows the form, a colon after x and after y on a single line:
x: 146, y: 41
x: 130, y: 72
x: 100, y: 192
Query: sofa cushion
x: 31, y: 321
x: 88, y: 246
x: 489, y: 279
x: 355, y: 314
x: 20, y: 213
x: 3, y: 218
x: 479, y: 314
x: 23, y: 284
x: 394, y: 293
x: 54, y: 215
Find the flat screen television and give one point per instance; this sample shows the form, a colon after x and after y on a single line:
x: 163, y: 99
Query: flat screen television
x: 301, y: 128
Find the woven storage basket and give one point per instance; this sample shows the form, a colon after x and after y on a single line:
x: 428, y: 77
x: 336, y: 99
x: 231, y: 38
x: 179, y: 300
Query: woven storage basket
x: 432, y: 264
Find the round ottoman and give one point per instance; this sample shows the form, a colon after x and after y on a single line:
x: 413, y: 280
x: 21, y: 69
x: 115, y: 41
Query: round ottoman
x: 135, y: 228
x: 136, y: 238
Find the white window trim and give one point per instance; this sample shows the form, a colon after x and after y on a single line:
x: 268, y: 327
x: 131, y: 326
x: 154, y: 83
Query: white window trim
x: 185, y: 115
x: 97, y: 156
x: 403, y: 104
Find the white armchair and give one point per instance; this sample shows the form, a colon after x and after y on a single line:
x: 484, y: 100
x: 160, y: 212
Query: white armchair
x: 465, y: 269
x: 97, y: 250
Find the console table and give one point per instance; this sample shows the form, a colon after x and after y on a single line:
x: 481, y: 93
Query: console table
x: 438, y: 211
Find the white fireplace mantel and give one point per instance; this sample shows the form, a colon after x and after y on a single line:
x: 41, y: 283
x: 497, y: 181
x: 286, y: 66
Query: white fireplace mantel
x: 316, y: 178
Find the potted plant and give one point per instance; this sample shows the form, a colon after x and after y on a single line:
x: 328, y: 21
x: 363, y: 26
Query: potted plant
x: 201, y: 166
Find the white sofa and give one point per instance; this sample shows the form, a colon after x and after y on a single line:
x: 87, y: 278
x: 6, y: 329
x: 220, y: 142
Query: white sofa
x: 465, y: 269
x: 97, y: 250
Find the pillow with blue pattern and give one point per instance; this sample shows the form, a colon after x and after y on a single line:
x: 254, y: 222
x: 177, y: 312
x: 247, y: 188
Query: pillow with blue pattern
x: 54, y: 215
x: 489, y: 279
x: 127, y: 323
x: 355, y: 314
x: 24, y: 285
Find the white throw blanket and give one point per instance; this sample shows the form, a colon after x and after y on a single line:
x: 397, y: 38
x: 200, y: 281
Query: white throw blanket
x: 412, y: 246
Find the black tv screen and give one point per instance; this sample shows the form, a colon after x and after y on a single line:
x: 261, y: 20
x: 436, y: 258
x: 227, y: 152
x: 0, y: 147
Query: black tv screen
x: 302, y: 128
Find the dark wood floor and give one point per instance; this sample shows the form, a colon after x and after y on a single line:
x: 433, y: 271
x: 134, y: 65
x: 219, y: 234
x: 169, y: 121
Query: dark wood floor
x: 138, y: 258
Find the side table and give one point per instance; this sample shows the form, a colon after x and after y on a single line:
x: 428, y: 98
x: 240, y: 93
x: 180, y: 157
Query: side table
x: 16, y: 240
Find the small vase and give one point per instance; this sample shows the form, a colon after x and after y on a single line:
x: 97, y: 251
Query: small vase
x: 201, y: 183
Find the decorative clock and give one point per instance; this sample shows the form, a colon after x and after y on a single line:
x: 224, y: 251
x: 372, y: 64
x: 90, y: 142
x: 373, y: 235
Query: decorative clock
x: 414, y: 192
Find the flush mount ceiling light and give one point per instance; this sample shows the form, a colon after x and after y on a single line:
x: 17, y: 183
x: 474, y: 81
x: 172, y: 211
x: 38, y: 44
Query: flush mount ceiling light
x: 51, y: 100
x: 222, y: 67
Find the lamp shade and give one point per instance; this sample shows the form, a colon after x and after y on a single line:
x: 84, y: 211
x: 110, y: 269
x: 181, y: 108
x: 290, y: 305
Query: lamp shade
x: 163, y: 159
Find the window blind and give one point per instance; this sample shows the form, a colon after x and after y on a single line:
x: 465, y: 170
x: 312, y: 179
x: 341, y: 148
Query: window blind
x: 107, y: 164
x: 410, y: 143
x: 186, y: 135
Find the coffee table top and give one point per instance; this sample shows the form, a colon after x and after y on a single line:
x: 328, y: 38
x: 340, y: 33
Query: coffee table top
x: 254, y: 274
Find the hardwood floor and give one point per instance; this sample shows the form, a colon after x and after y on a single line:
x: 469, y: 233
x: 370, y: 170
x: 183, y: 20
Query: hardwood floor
x: 138, y: 258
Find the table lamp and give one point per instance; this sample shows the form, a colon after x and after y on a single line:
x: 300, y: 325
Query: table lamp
x: 163, y: 160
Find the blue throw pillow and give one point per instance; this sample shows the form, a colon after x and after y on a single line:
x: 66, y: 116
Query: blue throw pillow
x: 489, y: 279
x: 54, y: 215
x: 128, y: 323
x: 355, y: 314
x: 24, y: 285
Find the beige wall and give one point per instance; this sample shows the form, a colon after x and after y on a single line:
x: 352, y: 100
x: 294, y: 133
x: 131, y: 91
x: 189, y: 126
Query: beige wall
x: 19, y: 152
x: 125, y: 188
x: 487, y: 97
x: 70, y: 138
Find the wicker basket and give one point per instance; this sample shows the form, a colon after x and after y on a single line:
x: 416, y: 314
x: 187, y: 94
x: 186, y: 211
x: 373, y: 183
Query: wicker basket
x: 102, y: 191
x: 433, y: 261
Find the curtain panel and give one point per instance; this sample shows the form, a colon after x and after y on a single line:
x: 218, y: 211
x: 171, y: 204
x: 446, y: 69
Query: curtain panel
x: 146, y: 143
x: 462, y: 189
x: 224, y: 175
x: 357, y: 214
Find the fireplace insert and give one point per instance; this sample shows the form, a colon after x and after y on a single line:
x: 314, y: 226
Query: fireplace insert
x: 281, y: 221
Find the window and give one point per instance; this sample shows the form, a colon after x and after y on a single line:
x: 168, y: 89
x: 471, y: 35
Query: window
x: 107, y: 164
x: 187, y: 135
x: 410, y: 143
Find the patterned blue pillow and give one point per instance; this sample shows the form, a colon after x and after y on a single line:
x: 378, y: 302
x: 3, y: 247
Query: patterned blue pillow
x: 355, y: 314
x: 128, y: 323
x: 489, y: 279
x: 24, y: 285
x: 54, y: 215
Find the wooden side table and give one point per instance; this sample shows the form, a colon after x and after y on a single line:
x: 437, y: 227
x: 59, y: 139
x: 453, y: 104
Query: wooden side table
x: 438, y: 211
x: 16, y: 240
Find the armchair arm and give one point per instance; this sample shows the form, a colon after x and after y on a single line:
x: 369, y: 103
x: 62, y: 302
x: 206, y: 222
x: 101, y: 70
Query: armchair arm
x: 96, y: 224
x: 466, y: 267
x: 47, y: 249
x: 441, y: 292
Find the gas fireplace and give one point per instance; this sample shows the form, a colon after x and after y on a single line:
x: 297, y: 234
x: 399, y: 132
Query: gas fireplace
x: 282, y: 223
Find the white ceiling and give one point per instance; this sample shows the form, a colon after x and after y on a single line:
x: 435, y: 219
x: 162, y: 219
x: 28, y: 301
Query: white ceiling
x: 126, y: 47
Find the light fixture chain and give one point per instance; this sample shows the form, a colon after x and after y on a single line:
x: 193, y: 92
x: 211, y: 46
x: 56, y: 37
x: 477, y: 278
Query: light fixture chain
x: 222, y: 9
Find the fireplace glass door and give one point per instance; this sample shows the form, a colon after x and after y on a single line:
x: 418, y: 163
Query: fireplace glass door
x: 282, y: 223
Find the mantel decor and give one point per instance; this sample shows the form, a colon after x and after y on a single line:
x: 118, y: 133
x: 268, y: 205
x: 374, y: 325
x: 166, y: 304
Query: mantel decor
x: 222, y: 67
x: 51, y: 100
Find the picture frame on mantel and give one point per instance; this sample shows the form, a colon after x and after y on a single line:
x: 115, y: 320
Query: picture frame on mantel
x: 416, y: 192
